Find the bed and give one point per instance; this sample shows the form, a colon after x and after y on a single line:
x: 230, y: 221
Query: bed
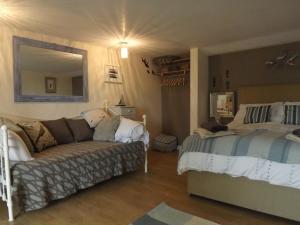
x: 258, y: 168
x: 63, y: 170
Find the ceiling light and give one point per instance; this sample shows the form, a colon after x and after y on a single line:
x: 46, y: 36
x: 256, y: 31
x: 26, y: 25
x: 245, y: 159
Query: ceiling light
x: 3, y: 10
x: 124, y: 50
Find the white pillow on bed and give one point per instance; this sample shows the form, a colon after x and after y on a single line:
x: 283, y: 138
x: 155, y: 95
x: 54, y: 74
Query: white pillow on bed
x: 18, y: 150
x: 94, y: 116
x: 277, y: 112
x: 129, y: 130
x: 292, y: 103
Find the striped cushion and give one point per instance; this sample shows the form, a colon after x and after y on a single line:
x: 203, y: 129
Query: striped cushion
x: 257, y: 114
x: 292, y: 114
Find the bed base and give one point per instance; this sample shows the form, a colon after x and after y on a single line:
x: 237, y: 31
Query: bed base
x: 240, y: 191
x: 5, y: 176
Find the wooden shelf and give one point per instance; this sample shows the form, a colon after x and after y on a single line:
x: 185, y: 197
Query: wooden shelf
x: 112, y: 82
x: 175, y: 72
x: 177, y: 61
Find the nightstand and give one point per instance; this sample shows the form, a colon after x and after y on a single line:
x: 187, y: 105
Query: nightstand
x: 125, y: 111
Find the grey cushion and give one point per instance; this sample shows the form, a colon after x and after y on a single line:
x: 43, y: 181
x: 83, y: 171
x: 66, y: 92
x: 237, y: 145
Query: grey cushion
x: 106, y: 129
x: 291, y: 114
x: 60, y: 131
x: 165, y: 143
x: 258, y: 114
x: 80, y: 129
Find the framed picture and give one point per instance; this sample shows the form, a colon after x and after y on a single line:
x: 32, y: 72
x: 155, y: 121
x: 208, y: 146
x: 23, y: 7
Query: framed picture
x: 50, y: 84
x: 222, y: 104
x: 112, y: 74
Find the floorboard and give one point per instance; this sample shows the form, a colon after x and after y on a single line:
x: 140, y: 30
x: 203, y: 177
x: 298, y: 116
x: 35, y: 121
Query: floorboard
x: 123, y: 199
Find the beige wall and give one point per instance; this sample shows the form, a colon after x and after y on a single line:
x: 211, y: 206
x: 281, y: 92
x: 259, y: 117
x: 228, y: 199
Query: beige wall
x: 199, y: 88
x: 140, y: 89
x: 194, y: 86
x: 203, y: 88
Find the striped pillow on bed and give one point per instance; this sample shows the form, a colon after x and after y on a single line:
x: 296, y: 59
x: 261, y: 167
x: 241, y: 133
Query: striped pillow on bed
x: 257, y: 114
x: 292, y: 114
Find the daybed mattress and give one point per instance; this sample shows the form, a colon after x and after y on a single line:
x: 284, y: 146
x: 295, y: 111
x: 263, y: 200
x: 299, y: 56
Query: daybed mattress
x: 63, y: 170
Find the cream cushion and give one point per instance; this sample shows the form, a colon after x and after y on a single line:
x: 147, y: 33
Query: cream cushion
x: 18, y: 150
x: 93, y: 117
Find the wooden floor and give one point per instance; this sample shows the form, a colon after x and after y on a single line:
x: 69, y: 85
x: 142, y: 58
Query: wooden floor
x: 121, y: 200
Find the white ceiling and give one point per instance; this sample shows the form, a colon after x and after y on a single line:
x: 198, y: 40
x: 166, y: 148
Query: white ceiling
x: 161, y: 26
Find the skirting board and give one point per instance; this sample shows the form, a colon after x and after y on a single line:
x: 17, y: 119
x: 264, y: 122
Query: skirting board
x: 256, y: 195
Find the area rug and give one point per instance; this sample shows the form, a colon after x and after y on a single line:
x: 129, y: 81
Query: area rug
x: 165, y: 215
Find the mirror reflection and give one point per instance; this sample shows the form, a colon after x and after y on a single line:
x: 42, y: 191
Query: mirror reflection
x: 46, y: 72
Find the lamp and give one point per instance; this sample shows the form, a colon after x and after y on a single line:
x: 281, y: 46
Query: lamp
x: 124, y: 50
x: 3, y: 10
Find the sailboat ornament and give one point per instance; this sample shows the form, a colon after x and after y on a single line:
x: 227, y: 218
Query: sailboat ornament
x: 121, y: 102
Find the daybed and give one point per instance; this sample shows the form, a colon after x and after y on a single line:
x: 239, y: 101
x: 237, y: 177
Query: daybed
x: 62, y: 170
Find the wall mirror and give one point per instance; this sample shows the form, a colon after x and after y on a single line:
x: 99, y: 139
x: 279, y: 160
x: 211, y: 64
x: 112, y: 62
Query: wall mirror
x: 47, y: 72
x: 222, y: 104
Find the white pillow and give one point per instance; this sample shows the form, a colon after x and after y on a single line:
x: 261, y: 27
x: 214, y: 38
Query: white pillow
x: 18, y: 150
x: 129, y: 130
x: 292, y: 103
x: 277, y: 112
x: 93, y: 117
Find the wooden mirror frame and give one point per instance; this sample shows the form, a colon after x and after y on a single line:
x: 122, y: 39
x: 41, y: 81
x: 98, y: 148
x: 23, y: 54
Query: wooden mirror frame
x: 19, y: 97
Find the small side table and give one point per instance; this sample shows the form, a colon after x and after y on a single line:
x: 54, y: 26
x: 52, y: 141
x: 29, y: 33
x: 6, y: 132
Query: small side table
x: 125, y: 111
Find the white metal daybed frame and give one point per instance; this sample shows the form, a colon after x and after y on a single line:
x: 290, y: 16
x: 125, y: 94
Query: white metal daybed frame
x: 5, y: 179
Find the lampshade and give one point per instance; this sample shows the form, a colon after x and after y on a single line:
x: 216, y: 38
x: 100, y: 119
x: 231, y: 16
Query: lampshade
x: 124, y: 50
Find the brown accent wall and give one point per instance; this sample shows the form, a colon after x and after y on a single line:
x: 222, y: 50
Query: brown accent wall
x: 176, y: 111
x: 248, y: 68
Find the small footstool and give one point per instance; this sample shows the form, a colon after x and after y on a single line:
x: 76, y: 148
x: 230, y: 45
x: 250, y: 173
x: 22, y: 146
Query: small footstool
x: 165, y: 143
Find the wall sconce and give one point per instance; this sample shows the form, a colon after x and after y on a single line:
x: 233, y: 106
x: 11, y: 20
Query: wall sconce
x: 124, y: 50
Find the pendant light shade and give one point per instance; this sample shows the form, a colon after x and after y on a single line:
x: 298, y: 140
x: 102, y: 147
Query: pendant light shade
x: 124, y: 50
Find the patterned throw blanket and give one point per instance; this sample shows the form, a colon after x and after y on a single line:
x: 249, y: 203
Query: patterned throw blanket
x: 63, y: 170
x: 263, y: 144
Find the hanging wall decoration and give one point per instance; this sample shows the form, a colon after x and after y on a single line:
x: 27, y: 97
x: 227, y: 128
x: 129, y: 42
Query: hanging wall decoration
x: 113, y: 74
x: 285, y: 59
x: 227, y: 81
x: 149, y: 68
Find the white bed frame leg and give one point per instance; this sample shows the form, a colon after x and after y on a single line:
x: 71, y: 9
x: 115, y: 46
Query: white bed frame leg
x: 146, y: 160
x: 6, y: 181
x: 146, y: 146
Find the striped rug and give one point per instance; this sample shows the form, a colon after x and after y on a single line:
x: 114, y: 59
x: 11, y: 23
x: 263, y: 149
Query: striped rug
x: 165, y: 215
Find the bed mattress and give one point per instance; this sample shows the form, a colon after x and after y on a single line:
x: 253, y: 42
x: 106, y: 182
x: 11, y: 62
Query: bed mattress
x: 258, y: 154
x: 63, y: 170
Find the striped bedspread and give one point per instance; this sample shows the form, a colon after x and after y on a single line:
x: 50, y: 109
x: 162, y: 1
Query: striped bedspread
x: 264, y: 144
x: 256, y: 154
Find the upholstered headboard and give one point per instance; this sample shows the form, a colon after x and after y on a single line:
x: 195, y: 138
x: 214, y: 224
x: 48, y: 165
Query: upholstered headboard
x: 268, y: 93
